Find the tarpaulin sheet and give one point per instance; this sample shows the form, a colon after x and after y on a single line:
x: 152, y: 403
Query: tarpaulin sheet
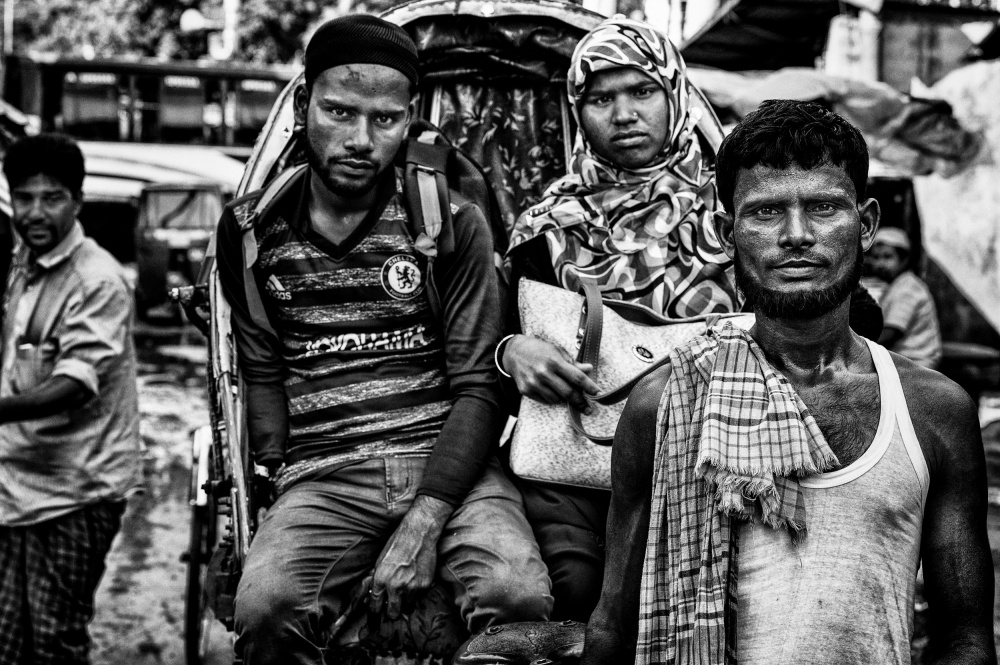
x: 914, y: 136
x: 763, y: 34
x: 960, y: 213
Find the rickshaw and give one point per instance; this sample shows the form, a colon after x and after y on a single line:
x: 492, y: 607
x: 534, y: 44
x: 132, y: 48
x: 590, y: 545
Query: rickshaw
x: 493, y: 80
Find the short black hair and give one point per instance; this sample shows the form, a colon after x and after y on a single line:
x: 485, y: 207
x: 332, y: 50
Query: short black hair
x: 55, y: 155
x: 786, y: 132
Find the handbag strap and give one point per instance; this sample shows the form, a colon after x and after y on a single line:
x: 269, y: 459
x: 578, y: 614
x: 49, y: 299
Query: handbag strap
x: 622, y: 392
x: 593, y: 324
x: 608, y: 398
x: 590, y: 346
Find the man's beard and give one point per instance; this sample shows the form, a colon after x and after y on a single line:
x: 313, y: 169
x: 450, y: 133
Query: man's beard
x: 348, y: 189
x: 777, y: 304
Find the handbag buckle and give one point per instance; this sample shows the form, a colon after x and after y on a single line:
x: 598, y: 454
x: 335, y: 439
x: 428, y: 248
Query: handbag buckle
x: 642, y: 353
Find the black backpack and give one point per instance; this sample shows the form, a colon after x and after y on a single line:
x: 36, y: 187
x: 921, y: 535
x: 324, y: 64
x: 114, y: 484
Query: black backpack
x: 432, y: 167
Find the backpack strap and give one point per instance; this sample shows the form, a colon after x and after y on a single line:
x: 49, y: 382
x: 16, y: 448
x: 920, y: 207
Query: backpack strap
x: 429, y: 202
x: 275, y: 189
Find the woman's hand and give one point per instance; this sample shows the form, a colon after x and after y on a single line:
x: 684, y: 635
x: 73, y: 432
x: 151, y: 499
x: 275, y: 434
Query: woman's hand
x: 548, y: 373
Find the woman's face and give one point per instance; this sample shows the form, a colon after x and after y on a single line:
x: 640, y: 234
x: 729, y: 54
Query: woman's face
x: 624, y: 116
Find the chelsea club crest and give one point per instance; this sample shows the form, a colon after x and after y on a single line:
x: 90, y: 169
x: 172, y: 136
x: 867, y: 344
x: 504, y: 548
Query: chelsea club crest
x: 401, y: 277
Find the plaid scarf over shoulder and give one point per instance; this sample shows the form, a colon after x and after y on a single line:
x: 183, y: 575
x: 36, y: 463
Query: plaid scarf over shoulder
x: 733, y: 437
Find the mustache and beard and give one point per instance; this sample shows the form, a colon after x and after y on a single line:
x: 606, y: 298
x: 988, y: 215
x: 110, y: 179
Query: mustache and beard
x: 342, y: 187
x: 796, y: 305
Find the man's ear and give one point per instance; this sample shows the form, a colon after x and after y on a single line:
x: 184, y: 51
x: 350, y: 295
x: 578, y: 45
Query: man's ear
x: 724, y: 226
x: 300, y: 104
x: 411, y: 114
x: 870, y: 214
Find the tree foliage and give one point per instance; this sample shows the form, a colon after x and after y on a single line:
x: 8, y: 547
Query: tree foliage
x: 269, y: 31
x: 272, y: 30
x: 277, y: 30
x: 103, y: 28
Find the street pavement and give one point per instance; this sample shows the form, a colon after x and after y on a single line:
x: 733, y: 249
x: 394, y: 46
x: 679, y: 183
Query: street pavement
x: 139, y: 615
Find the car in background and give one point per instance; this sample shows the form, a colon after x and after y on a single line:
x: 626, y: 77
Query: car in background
x: 155, y: 208
x: 174, y: 225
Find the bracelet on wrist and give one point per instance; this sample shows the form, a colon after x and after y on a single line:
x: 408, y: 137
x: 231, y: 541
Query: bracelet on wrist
x: 498, y: 354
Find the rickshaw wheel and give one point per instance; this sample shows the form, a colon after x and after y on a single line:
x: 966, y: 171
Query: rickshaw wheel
x: 198, y: 613
x: 198, y: 616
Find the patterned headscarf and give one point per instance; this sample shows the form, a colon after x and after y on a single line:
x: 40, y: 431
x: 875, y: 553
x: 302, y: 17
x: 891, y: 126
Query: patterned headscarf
x: 642, y: 235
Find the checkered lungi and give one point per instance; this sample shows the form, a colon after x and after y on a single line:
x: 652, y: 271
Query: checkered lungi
x: 48, y: 575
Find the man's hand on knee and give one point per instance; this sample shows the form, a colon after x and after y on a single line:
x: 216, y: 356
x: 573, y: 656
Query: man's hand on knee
x: 407, y: 565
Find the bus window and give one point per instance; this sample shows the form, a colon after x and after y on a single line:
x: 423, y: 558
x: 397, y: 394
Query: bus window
x: 90, y: 105
x: 254, y: 98
x: 145, y: 108
x: 147, y: 101
x: 182, y: 109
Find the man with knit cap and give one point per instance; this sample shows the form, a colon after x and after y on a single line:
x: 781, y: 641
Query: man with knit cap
x: 910, y: 320
x: 375, y: 417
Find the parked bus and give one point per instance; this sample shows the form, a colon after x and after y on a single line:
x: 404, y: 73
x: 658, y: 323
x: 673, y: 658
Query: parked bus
x: 147, y: 100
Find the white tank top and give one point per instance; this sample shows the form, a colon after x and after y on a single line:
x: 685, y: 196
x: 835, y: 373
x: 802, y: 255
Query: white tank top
x: 844, y: 594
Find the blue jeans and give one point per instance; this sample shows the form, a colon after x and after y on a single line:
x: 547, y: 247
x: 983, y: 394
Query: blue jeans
x: 321, y: 537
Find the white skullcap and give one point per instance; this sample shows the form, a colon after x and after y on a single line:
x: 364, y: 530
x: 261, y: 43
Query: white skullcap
x: 893, y: 236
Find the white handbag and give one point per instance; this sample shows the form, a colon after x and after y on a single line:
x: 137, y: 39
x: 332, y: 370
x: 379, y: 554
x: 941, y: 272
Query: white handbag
x: 554, y: 443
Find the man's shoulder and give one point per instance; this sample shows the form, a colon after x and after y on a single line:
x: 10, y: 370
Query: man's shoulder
x: 94, y: 265
x: 930, y: 387
x: 466, y: 210
x: 942, y: 412
x: 907, y: 283
x: 645, y: 398
x: 243, y: 208
x: 460, y: 200
x: 247, y: 209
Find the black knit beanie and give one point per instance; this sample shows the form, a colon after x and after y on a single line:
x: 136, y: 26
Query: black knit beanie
x: 360, y: 39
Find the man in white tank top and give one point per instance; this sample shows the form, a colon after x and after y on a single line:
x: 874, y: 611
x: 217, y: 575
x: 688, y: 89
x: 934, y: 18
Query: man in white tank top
x: 890, y: 470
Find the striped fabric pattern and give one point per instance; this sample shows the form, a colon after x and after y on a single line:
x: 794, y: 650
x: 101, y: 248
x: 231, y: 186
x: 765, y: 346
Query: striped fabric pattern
x: 366, y: 366
x: 733, y: 438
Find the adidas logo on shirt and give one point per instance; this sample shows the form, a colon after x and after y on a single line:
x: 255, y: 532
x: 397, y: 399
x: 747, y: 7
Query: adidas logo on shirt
x: 276, y: 290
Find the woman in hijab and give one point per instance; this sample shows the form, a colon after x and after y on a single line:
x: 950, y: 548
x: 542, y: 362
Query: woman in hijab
x: 633, y: 216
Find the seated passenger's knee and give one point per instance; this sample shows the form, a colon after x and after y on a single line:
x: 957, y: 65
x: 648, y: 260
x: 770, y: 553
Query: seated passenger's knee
x: 511, y: 596
x: 265, y: 603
